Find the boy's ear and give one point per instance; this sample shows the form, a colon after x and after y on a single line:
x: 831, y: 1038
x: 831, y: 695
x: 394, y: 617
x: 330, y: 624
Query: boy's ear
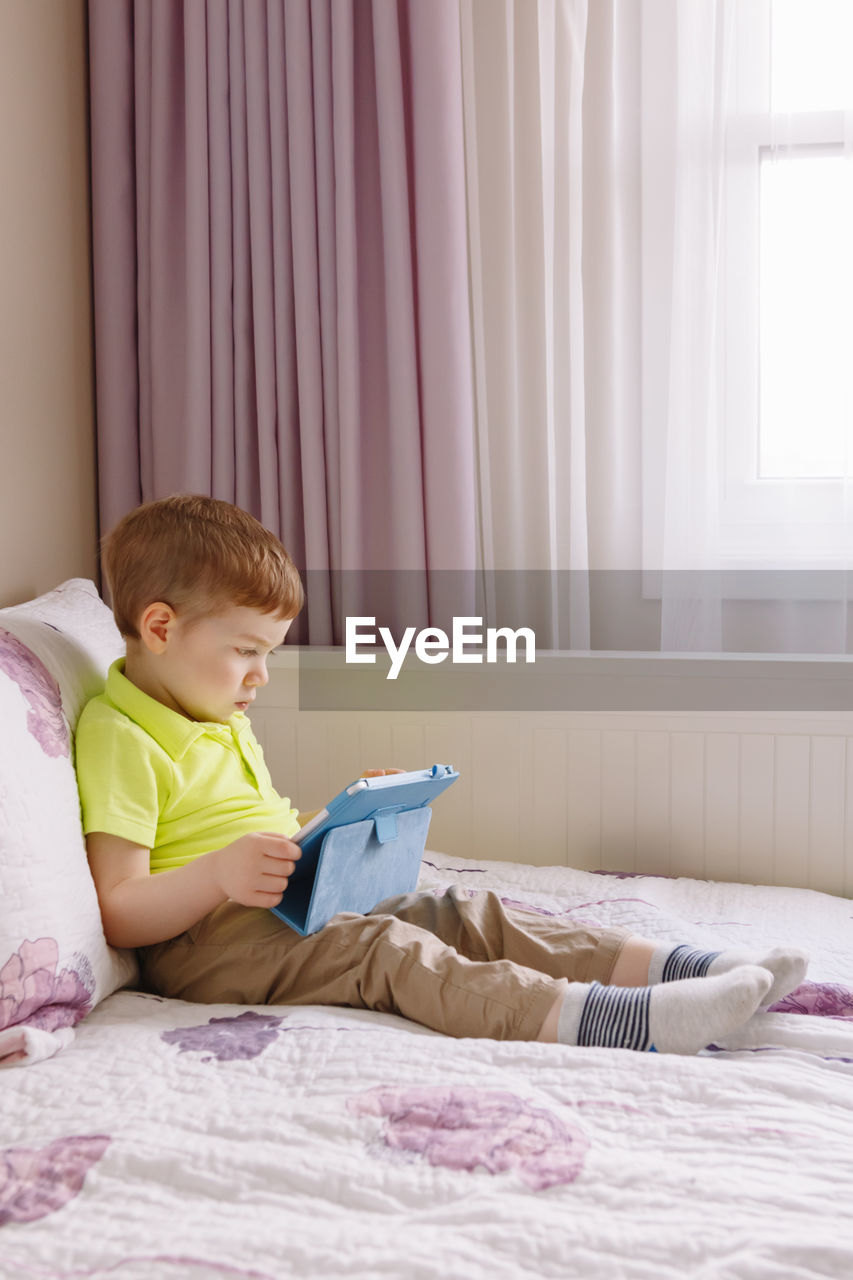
x: 156, y: 622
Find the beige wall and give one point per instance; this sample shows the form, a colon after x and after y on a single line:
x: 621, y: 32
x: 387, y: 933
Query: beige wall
x: 47, y: 463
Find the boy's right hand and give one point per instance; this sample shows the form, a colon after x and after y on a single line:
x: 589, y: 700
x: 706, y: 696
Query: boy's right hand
x: 255, y: 869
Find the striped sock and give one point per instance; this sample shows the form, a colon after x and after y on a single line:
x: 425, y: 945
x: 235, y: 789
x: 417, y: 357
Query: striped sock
x: 675, y: 1017
x: 671, y: 964
x: 615, y: 1017
x: 786, y: 965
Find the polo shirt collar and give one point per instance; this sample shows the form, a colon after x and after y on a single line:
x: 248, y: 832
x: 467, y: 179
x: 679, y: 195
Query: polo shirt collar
x: 174, y: 732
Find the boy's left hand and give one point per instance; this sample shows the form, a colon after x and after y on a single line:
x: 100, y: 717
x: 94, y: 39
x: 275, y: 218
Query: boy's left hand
x: 379, y: 773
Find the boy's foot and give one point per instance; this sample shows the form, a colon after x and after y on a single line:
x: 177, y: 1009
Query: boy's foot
x: 787, y: 966
x: 671, y: 1017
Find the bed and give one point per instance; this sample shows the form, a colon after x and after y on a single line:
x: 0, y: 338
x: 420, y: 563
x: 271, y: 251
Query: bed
x: 142, y: 1137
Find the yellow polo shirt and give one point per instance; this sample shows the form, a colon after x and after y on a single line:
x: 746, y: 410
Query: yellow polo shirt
x: 180, y: 787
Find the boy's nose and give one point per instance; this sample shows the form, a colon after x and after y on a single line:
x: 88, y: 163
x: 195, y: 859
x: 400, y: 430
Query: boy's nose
x: 259, y: 675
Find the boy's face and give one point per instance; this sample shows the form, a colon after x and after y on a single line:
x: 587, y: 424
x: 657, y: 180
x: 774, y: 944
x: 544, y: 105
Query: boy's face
x: 211, y: 667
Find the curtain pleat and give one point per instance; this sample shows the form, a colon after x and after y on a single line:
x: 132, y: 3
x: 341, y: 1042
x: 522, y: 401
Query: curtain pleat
x: 523, y: 75
x: 114, y: 265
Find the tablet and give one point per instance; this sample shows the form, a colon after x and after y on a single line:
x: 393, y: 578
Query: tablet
x: 364, y: 846
x: 376, y: 798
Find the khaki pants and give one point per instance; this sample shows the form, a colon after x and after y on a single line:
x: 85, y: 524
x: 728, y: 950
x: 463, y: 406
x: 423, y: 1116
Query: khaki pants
x: 464, y: 965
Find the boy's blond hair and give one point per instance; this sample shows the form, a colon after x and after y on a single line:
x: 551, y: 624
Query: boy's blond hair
x: 198, y: 555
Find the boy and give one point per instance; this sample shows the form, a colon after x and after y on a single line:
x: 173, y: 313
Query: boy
x: 189, y: 843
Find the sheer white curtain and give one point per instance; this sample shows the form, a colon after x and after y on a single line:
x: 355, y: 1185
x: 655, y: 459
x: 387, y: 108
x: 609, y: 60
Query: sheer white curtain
x: 523, y: 85
x: 747, y: 499
x: 638, y: 347
x: 787, y: 501
x: 594, y: 264
x: 686, y: 75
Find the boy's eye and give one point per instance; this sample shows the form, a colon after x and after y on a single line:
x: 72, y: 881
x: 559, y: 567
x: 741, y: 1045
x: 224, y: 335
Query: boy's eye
x: 248, y: 653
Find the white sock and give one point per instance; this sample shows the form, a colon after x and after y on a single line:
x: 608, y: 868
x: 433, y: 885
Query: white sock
x: 672, y: 1017
x: 787, y: 965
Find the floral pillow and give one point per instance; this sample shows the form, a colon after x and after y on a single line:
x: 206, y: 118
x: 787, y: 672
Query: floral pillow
x: 55, y: 964
x: 73, y: 632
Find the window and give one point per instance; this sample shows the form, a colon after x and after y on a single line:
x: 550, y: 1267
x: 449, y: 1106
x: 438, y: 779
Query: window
x: 788, y: 252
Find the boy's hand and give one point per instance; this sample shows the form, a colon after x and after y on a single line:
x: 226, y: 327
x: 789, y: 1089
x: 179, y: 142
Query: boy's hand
x: 379, y: 773
x: 255, y: 869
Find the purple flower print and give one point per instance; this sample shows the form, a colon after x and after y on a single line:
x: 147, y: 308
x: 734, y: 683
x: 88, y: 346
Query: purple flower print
x: 466, y: 1129
x: 246, y: 1035
x: 31, y: 990
x: 820, y: 999
x: 36, y: 1181
x: 44, y: 717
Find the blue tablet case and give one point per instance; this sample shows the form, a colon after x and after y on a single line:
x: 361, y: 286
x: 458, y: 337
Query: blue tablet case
x: 366, y: 847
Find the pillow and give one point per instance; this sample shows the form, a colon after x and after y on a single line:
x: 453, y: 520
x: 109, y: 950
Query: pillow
x: 55, y: 964
x: 73, y: 632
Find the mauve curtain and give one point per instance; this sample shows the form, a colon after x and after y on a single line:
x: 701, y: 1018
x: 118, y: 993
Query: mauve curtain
x: 280, y: 276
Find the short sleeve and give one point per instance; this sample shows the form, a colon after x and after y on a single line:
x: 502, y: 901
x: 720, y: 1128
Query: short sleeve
x: 122, y: 775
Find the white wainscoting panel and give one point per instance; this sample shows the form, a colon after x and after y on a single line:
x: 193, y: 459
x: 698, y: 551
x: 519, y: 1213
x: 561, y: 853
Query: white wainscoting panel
x: 759, y: 797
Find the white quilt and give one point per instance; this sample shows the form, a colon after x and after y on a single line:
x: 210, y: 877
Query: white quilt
x: 178, y: 1140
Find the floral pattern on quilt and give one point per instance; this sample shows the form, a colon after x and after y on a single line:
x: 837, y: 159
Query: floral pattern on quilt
x: 820, y: 999
x: 36, y: 1181
x: 466, y: 1129
x: 32, y: 992
x: 44, y: 715
x: 246, y: 1035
